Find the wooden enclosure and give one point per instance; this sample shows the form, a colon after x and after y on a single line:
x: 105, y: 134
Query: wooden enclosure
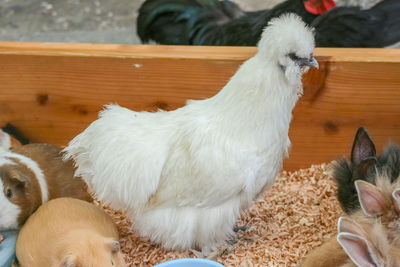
x: 51, y: 92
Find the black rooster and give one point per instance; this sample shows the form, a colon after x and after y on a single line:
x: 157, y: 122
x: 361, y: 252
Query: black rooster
x: 214, y: 22
x: 378, y: 26
x: 208, y: 22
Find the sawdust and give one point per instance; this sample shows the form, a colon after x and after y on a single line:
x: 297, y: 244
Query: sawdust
x: 299, y: 213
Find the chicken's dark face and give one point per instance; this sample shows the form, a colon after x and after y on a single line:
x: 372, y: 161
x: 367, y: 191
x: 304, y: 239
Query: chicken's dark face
x: 303, y: 62
x: 293, y: 65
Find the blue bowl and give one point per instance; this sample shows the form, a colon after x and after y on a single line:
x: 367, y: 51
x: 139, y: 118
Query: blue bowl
x: 7, y: 248
x: 192, y: 262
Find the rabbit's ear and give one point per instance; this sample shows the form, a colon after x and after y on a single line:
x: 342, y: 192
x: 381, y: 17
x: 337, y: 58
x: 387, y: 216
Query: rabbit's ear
x: 358, y: 249
x: 345, y: 224
x: 364, y: 167
x: 372, y: 200
x: 363, y: 147
x: 396, y: 197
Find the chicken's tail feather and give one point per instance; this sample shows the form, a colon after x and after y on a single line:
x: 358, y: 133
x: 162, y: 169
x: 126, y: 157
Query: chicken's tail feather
x: 115, y: 155
x: 183, y: 21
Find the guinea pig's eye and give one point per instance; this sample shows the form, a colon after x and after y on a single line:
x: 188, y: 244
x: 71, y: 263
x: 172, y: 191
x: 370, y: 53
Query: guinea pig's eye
x: 9, y: 193
x: 112, y: 262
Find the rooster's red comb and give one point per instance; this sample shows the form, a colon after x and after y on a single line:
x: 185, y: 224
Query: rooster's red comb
x: 318, y: 7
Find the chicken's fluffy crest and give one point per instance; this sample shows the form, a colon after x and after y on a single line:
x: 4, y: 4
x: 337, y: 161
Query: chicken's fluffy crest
x: 291, y: 32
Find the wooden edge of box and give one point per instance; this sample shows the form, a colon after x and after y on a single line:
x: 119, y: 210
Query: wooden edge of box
x: 186, y: 52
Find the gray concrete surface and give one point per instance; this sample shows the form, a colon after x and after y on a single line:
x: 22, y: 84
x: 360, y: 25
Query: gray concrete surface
x: 86, y: 21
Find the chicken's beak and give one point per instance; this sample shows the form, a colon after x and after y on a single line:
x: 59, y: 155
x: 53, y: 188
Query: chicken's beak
x: 312, y: 62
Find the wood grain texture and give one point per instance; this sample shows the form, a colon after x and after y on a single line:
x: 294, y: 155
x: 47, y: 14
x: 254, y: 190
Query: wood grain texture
x: 51, y: 92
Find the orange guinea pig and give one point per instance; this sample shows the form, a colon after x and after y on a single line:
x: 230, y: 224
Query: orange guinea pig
x: 30, y: 175
x: 67, y: 232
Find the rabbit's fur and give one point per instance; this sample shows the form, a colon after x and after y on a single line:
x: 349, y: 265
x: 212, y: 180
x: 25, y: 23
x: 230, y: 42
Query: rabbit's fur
x: 363, y: 165
x: 369, y: 237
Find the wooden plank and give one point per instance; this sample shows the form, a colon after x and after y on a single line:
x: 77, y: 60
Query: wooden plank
x: 51, y: 92
x: 184, y: 52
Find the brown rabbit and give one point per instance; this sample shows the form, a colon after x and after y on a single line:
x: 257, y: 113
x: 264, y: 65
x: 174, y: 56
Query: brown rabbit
x: 368, y: 244
x: 370, y: 237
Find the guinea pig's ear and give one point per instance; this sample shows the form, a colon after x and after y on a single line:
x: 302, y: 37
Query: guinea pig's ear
x: 19, y: 178
x: 114, y: 246
x: 5, y: 142
x: 68, y: 261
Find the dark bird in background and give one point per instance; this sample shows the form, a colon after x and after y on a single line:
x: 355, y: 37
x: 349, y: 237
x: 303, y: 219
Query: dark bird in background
x: 378, y: 26
x: 214, y: 22
x: 208, y: 22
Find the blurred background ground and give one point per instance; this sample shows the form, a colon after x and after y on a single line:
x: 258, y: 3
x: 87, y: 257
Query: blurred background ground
x: 86, y: 21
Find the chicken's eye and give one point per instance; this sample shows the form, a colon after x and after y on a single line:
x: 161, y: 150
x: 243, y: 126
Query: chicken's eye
x: 9, y: 193
x: 293, y: 56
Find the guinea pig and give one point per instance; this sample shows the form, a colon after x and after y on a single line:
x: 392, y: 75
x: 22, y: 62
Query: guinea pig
x: 67, y: 232
x: 30, y: 175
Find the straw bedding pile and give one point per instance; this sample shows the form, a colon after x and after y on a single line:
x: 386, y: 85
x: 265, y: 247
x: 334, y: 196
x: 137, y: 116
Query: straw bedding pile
x: 297, y: 214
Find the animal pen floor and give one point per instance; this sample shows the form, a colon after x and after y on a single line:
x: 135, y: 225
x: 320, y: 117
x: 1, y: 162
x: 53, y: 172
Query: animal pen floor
x: 296, y: 215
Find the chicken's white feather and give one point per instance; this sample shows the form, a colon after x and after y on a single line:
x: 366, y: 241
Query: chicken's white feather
x: 184, y: 176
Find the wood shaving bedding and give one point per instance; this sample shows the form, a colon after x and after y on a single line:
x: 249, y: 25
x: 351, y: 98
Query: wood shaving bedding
x: 297, y: 214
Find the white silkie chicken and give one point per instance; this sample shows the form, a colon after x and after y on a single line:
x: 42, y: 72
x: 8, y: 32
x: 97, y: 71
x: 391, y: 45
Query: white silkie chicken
x: 184, y: 176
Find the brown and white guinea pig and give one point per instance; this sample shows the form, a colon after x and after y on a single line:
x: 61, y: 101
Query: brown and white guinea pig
x: 30, y: 175
x: 67, y: 232
x: 369, y: 237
